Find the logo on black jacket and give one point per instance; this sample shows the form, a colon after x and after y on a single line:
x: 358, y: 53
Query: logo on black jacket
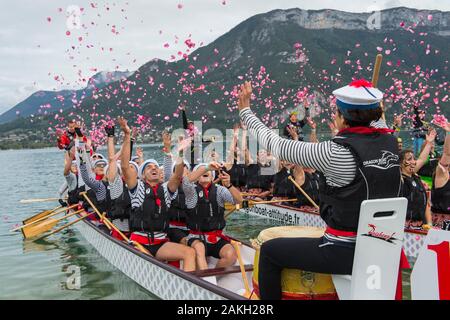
x: 387, y: 161
x: 373, y: 233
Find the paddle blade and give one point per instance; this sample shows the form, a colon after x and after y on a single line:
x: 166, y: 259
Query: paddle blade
x: 39, y: 228
x: 229, y: 206
x: 37, y: 216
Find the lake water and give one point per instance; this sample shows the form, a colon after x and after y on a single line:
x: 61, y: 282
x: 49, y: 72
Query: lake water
x: 39, y: 270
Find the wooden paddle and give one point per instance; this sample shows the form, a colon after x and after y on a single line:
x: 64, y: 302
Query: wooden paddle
x: 303, y: 192
x: 39, y: 215
x: 376, y: 76
x: 40, y: 200
x: 44, y: 226
x: 236, y: 245
x: 64, y: 226
x: 111, y: 225
x: 58, y: 211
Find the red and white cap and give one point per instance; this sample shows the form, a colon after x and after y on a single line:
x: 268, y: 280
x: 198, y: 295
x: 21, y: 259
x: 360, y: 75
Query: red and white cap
x: 359, y: 94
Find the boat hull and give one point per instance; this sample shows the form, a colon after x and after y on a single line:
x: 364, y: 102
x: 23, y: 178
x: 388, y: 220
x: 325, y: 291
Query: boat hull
x: 160, y: 279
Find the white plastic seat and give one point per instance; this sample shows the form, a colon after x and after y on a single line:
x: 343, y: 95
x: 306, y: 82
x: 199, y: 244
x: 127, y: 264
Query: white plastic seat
x: 377, y: 254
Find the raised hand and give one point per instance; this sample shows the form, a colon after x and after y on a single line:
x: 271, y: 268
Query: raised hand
x: 140, y: 152
x: 245, y: 94
x: 110, y: 129
x: 214, y: 165
x: 293, y: 132
x: 431, y: 136
x: 123, y: 123
x: 225, y: 178
x: 311, y: 123
x: 134, y: 133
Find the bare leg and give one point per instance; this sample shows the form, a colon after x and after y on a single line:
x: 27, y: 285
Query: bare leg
x: 227, y: 256
x: 200, y: 254
x: 171, y: 251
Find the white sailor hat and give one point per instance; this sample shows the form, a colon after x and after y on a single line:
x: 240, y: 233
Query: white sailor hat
x: 143, y: 165
x: 135, y: 165
x: 134, y: 158
x: 100, y: 162
x: 100, y: 156
x: 358, y: 95
x: 205, y: 165
x: 186, y: 164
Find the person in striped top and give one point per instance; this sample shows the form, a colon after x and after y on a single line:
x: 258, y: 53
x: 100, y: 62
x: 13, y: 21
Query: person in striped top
x: 205, y: 219
x: 150, y: 200
x: 348, y: 178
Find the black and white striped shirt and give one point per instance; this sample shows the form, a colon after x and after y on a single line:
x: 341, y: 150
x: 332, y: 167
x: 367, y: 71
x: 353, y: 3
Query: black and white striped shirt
x: 189, y: 188
x: 137, y: 194
x: 333, y: 160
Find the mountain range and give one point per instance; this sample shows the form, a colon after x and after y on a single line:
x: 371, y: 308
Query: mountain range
x: 290, y: 55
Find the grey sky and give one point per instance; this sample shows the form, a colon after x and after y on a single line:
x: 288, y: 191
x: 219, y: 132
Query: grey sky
x: 33, y: 51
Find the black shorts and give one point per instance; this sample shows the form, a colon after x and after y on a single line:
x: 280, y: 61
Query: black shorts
x: 153, y: 248
x: 211, y: 250
x: 176, y: 234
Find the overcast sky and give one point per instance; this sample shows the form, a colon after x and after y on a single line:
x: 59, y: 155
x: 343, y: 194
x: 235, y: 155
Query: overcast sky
x: 34, y: 51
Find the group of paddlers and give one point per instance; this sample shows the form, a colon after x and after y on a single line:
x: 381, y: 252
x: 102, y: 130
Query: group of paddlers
x: 176, y: 211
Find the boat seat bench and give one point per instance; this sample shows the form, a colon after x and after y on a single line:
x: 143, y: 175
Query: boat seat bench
x: 220, y: 271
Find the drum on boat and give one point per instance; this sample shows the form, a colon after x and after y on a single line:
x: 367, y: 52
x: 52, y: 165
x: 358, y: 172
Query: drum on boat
x: 296, y: 284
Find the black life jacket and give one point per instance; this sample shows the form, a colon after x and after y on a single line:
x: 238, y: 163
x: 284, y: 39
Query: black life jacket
x: 259, y: 177
x: 415, y: 192
x: 73, y: 197
x: 178, y: 209
x: 238, y: 175
x: 103, y: 205
x: 377, y: 176
x: 311, y: 187
x: 440, y: 199
x: 283, y: 187
x: 207, y: 215
x: 150, y: 217
x: 121, y: 207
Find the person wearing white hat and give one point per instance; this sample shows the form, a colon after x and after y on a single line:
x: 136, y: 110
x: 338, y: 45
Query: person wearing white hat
x: 361, y: 162
x: 205, y: 218
x: 71, y: 185
x: 150, y: 201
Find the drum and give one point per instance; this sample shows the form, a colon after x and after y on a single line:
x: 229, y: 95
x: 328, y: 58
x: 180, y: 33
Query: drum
x: 296, y: 284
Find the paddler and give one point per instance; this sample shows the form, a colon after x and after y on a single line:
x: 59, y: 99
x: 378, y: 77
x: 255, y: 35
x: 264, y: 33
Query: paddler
x: 414, y: 189
x: 206, y: 203
x: 346, y: 182
x: 150, y: 201
x: 440, y: 193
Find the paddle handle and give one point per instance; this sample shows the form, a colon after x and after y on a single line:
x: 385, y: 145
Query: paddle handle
x: 376, y: 70
x: 272, y: 201
x: 111, y: 225
x: 303, y: 192
x: 58, y: 211
x: 236, y: 245
x: 40, y: 200
x: 64, y: 227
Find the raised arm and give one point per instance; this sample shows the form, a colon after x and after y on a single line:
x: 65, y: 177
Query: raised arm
x: 67, y: 163
x: 177, y: 176
x: 442, y: 174
x: 423, y: 157
x: 306, y: 154
x: 195, y: 175
x: 129, y: 177
x: 112, y: 156
x: 167, y: 161
x: 235, y: 193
